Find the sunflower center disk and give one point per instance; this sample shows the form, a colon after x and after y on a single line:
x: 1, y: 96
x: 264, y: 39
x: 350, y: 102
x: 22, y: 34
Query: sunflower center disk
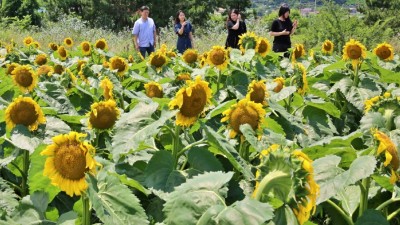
x: 154, y: 91
x: 24, y: 113
x: 262, y: 47
x: 105, y: 118
x: 158, y: 61
x: 193, y: 105
x: 355, y: 52
x: 218, y: 58
x: 243, y: 115
x: 258, y: 94
x: 70, y: 161
x: 24, y: 78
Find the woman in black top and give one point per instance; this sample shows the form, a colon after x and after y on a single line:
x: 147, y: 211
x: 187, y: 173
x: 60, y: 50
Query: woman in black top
x: 281, y: 29
x: 184, y: 31
x: 235, y: 28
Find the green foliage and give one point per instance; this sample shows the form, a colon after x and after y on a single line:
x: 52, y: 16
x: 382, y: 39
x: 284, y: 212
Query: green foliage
x: 21, y: 10
x: 377, y: 11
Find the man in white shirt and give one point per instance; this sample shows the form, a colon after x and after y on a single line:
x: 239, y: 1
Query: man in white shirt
x: 144, y: 33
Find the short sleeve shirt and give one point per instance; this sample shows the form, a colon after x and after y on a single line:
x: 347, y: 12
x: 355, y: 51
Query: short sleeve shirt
x: 279, y: 26
x: 144, y: 30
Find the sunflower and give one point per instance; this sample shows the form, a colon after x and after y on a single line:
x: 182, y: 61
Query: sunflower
x: 218, y: 57
x: 69, y: 158
x: 263, y: 46
x: 158, y: 60
x: 119, y: 64
x: 280, y: 83
x: 257, y: 91
x: 391, y: 157
x: 101, y: 44
x: 306, y: 206
x: 384, y: 51
x: 86, y: 49
x: 68, y: 42
x: 302, y: 83
x: 370, y: 103
x: 153, y: 90
x: 24, y: 111
x: 184, y: 76
x: 245, y: 111
x: 28, y: 41
x: 190, y: 56
x: 327, y: 47
x: 25, y: 78
x: 108, y: 87
x: 36, y: 44
x: 80, y: 64
x: 11, y: 67
x: 58, y: 69
x: 191, y: 101
x: 298, y: 51
x: 41, y: 59
x: 130, y: 59
x: 171, y: 54
x: 44, y: 70
x: 53, y: 46
x: 247, y: 41
x: 354, y: 51
x: 106, y: 64
x: 62, y: 52
x: 103, y: 115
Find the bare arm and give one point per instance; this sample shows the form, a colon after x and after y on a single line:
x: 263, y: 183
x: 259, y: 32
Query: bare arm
x: 180, y: 31
x: 155, y: 38
x: 294, y: 27
x: 135, y: 43
x: 274, y: 34
x: 236, y: 26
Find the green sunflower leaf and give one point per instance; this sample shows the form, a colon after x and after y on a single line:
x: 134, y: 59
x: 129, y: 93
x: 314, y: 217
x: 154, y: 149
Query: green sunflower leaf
x: 203, y: 160
x: 245, y: 212
x: 113, y: 202
x: 189, y: 201
x: 137, y: 127
x: 55, y: 96
x: 372, y: 217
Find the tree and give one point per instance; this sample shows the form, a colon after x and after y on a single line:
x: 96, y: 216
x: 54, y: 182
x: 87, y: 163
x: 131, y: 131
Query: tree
x: 381, y: 10
x: 20, y: 9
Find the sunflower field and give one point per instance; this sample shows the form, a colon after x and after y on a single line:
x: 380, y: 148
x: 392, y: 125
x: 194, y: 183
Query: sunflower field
x: 226, y: 136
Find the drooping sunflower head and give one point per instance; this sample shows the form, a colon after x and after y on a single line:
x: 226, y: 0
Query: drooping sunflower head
x: 24, y: 111
x: 153, y: 90
x: 58, y: 69
x: 28, y: 41
x: 387, y: 104
x: 25, y: 78
x: 384, y: 51
x: 245, y: 111
x: 391, y: 158
x: 103, y: 115
x: 218, y: 57
x: 247, y: 41
x: 280, y: 83
x: 263, y: 46
x: 307, y: 191
x: 190, y: 56
x: 108, y: 87
x: 53, y: 46
x: 11, y: 67
x: 171, y: 54
x: 62, y: 52
x: 301, y: 78
x: 184, y: 76
x: 101, y: 44
x: 257, y: 92
x: 36, y: 44
x: 191, y: 101
x: 298, y: 51
x: 68, y: 159
x: 45, y: 70
x: 68, y: 42
x: 327, y: 47
x: 158, y: 60
x: 354, y: 50
x: 119, y: 64
x: 86, y: 48
x: 41, y: 59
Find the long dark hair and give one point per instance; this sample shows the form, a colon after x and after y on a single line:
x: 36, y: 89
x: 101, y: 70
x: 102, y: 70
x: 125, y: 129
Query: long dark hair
x: 236, y: 11
x: 177, y: 16
x: 283, y: 9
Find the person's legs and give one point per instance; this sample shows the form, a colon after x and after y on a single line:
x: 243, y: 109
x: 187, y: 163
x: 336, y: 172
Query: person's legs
x: 150, y: 49
x: 143, y: 51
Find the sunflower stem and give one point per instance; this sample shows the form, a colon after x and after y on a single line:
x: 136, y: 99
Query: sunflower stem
x: 356, y: 78
x: 25, y: 168
x: 121, y: 99
x: 187, y: 147
x: 386, y: 203
x: 175, y: 147
x: 218, y: 81
x: 341, y: 212
x: 393, y: 214
x: 364, y: 196
x: 86, y: 210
